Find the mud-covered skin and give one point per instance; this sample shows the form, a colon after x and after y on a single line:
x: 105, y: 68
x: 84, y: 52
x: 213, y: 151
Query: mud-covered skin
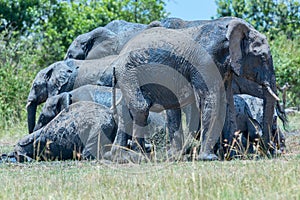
x: 104, y: 41
x: 98, y: 94
x: 251, y: 62
x: 214, y: 39
x: 255, y: 106
x: 64, y: 76
x: 73, y: 134
x: 55, y: 104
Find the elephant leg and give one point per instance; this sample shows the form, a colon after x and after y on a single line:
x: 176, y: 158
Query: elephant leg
x: 192, y: 119
x: 174, y: 125
x: 122, y: 135
x: 175, y: 128
x: 230, y: 125
x: 31, y: 146
x: 268, y: 113
x: 209, y: 134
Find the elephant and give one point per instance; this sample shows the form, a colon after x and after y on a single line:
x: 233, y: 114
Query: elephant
x: 255, y: 106
x: 64, y: 76
x: 94, y: 93
x: 55, y: 104
x: 239, y: 51
x: 104, y: 41
x: 97, y: 94
x: 85, y: 131
x: 214, y: 38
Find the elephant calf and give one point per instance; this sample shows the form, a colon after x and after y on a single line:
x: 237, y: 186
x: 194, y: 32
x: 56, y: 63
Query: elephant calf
x: 256, y: 109
x: 55, y: 104
x: 86, y: 131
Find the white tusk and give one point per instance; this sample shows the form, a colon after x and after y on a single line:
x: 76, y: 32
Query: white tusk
x: 28, y: 103
x: 272, y: 93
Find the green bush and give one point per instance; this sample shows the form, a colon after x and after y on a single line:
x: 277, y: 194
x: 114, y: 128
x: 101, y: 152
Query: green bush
x: 37, y: 33
x: 17, y: 70
x: 286, y: 60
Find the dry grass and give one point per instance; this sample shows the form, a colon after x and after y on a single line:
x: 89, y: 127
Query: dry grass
x: 238, y: 179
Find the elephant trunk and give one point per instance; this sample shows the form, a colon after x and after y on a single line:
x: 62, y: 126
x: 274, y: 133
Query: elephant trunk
x: 31, y: 112
x: 270, y: 99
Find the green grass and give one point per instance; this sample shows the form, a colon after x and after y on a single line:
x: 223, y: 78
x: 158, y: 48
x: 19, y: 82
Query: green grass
x: 276, y: 178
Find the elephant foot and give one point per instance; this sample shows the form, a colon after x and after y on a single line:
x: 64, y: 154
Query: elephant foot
x: 122, y: 156
x: 207, y: 157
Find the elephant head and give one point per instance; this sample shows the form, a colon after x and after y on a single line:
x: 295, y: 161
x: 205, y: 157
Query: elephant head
x: 56, y: 78
x: 251, y: 59
x: 97, y: 43
x: 52, y: 107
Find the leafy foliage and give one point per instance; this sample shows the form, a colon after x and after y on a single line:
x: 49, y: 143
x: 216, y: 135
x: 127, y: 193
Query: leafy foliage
x: 269, y: 16
x: 36, y: 33
x: 286, y: 60
x: 17, y: 69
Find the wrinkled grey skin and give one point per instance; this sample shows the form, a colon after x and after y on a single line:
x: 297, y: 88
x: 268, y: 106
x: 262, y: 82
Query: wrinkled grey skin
x: 64, y: 76
x: 256, y: 109
x: 55, y: 104
x: 104, y: 41
x: 238, y: 50
x: 214, y: 39
x: 73, y: 134
x: 98, y: 94
x: 247, y: 125
x: 255, y: 57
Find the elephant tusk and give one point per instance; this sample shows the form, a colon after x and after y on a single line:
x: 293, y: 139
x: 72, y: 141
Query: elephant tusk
x: 28, y: 104
x: 117, y: 103
x: 272, y: 93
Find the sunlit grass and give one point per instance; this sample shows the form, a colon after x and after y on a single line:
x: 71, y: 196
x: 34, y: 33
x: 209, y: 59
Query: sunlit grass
x: 276, y: 178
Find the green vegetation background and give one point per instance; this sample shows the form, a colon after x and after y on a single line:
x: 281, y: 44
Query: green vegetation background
x: 36, y: 33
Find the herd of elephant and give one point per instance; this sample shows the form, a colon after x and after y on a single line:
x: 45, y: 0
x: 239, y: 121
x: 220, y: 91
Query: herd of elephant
x: 123, y: 83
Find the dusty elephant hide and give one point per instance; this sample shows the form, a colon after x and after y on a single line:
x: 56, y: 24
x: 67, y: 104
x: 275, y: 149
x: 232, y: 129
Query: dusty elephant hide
x: 85, y: 131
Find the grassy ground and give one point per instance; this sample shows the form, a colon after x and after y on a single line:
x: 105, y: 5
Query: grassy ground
x: 276, y: 178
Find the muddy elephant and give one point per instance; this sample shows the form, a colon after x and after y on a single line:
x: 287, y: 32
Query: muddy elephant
x: 256, y: 109
x: 98, y: 94
x: 104, y: 41
x: 213, y: 36
x: 236, y: 48
x: 85, y: 131
x: 64, y: 76
x: 55, y: 104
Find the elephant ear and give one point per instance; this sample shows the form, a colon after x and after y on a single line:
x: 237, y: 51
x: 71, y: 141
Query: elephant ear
x: 60, y: 76
x: 237, y: 31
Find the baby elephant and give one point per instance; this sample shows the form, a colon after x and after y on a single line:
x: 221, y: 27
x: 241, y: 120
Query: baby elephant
x: 86, y: 131
x: 55, y: 104
x: 249, y: 116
